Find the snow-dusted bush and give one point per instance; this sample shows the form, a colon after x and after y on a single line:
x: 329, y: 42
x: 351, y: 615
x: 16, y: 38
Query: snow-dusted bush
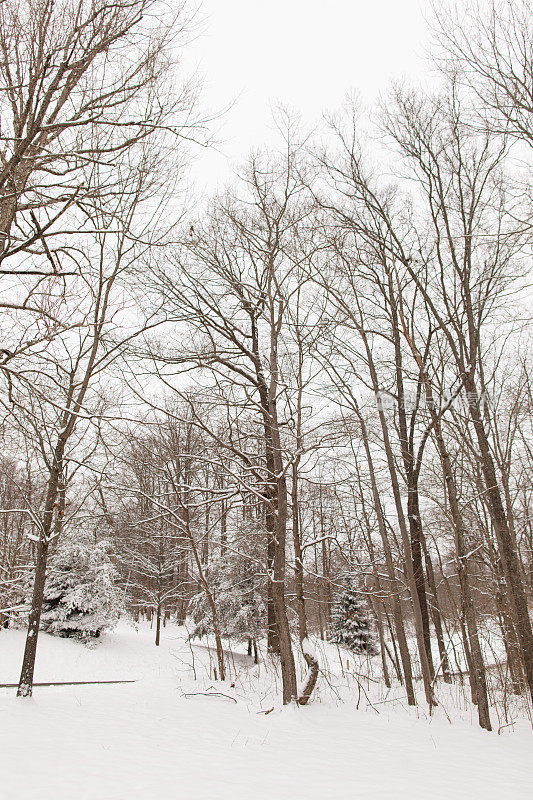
x: 80, y: 597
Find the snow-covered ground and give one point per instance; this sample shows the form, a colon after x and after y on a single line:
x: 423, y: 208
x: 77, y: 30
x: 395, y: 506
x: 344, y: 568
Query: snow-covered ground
x: 173, y: 735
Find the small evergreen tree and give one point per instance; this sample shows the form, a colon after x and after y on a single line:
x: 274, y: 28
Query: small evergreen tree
x: 351, y: 623
x: 80, y: 597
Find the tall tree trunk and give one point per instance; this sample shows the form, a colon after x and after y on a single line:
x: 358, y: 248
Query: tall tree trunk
x: 506, y: 546
x: 477, y: 673
x: 416, y: 537
x: 288, y: 667
x: 272, y: 625
x: 276, y: 524
x: 25, y: 687
x: 406, y: 540
x: 394, y: 658
x: 395, y: 599
x: 479, y: 687
x: 436, y: 615
x: 412, y: 468
x: 510, y: 642
x: 307, y: 652
x: 379, y: 619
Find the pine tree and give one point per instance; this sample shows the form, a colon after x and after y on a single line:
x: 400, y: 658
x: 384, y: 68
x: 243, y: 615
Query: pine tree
x: 80, y: 597
x: 351, y: 624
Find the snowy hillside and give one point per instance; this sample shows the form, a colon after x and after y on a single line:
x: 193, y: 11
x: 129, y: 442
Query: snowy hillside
x: 169, y: 735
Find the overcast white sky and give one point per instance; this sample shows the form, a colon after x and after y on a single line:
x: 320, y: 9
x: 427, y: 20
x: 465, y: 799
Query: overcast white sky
x: 303, y: 53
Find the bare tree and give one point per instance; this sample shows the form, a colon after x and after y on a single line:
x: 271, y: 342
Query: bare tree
x: 58, y: 397
x: 235, y: 281
x: 73, y: 98
x: 488, y: 48
x: 473, y: 266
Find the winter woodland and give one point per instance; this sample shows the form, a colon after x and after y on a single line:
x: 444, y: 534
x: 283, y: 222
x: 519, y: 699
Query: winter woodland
x: 282, y: 437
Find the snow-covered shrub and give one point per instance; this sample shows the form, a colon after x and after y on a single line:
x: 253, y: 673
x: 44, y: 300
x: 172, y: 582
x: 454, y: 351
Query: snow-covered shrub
x: 80, y: 597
